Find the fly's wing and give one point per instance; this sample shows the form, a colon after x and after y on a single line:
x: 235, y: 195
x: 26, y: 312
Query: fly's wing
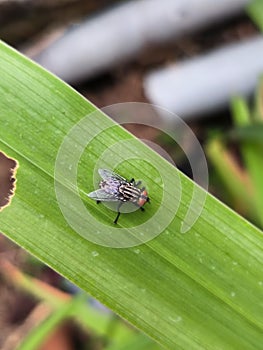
x: 107, y: 174
x: 101, y: 195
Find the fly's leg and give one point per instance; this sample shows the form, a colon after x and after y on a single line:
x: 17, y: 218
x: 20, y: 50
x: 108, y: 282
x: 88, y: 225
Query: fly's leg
x: 132, y: 182
x: 136, y: 184
x: 118, y: 215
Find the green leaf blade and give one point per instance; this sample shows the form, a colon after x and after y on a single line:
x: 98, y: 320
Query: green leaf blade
x: 184, y: 290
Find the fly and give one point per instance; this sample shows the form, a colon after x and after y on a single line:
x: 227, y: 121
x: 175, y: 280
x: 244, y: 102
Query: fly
x: 115, y: 188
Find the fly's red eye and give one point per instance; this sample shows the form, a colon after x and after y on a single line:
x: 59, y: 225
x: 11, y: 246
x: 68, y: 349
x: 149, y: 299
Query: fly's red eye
x: 144, y: 193
x: 141, y: 201
x: 143, y: 198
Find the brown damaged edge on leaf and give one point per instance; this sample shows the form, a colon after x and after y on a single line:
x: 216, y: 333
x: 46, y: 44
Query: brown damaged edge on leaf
x: 9, y: 166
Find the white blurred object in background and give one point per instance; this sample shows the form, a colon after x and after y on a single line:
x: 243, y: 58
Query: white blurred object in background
x: 207, y: 83
x: 118, y: 34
